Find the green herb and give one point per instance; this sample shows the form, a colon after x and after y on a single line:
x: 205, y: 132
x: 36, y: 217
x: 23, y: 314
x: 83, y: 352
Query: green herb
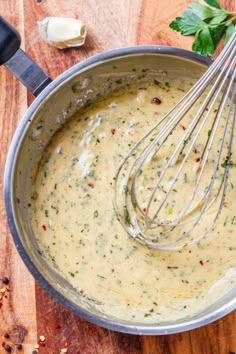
x: 127, y: 216
x: 209, y: 23
x: 185, y: 178
x: 228, y: 163
x: 126, y: 189
x: 55, y: 208
x: 158, y: 83
x: 101, y: 276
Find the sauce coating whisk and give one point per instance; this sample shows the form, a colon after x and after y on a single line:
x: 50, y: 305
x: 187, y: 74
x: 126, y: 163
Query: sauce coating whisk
x: 171, y: 186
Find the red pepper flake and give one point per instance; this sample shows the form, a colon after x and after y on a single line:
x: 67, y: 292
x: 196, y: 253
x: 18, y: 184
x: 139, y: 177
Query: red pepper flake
x: 183, y: 127
x: 215, y: 110
x: 167, y: 90
x: 201, y: 262
x: 150, y: 188
x: 198, y: 159
x: 156, y: 101
x: 91, y: 185
x: 113, y: 131
x: 44, y: 227
x: 144, y: 209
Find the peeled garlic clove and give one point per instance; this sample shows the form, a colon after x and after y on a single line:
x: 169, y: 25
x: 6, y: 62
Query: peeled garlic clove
x: 62, y: 32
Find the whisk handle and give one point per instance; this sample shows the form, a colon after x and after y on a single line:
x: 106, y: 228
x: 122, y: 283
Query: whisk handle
x: 10, y: 40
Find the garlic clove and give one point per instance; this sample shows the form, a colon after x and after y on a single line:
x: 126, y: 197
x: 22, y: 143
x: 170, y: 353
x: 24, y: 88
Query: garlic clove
x: 62, y: 32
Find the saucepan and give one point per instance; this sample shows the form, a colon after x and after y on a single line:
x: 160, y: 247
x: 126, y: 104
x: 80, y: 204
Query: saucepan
x: 55, y: 104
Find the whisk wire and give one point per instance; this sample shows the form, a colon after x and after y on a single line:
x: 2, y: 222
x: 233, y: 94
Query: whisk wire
x: 189, y: 131
x: 138, y: 221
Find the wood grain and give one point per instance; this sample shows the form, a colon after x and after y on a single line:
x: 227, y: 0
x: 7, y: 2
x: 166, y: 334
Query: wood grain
x: 28, y: 311
x: 20, y: 299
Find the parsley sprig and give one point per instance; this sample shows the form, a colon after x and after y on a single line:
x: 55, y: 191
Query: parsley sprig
x: 209, y: 23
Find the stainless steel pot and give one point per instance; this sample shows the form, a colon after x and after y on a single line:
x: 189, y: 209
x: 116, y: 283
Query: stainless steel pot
x: 57, y: 101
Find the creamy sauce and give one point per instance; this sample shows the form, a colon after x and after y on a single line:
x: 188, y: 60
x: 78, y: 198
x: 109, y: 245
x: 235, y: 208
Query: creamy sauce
x: 79, y: 233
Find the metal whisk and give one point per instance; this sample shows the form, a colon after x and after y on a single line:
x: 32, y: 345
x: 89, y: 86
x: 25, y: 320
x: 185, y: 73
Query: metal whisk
x: 169, y: 195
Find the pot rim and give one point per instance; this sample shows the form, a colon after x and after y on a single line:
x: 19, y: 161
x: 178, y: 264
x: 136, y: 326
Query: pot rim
x: 135, y: 328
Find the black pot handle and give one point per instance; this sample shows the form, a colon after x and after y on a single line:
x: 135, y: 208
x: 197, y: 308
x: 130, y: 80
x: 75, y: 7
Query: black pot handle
x: 18, y: 62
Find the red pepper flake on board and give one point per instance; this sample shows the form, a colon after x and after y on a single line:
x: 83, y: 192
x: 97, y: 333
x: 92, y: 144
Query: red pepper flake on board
x: 44, y: 227
x: 201, y: 262
x: 198, y: 159
x: 113, y: 131
x: 91, y: 185
x: 156, y: 101
x: 215, y: 110
x: 183, y: 127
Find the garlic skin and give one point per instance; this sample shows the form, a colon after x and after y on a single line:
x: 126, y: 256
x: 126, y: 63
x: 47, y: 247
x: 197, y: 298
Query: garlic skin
x: 62, y: 32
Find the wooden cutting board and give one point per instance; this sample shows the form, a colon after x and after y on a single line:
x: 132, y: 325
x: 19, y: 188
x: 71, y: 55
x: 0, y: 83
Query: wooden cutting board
x: 27, y: 311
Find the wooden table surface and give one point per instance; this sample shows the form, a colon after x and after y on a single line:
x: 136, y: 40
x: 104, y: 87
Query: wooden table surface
x: 27, y: 311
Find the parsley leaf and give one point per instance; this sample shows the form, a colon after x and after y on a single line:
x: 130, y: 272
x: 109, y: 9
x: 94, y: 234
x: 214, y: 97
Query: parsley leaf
x: 209, y: 23
x: 229, y: 31
x: 216, y: 34
x: 203, y: 11
x: 203, y: 43
x: 189, y: 23
x: 214, y: 3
